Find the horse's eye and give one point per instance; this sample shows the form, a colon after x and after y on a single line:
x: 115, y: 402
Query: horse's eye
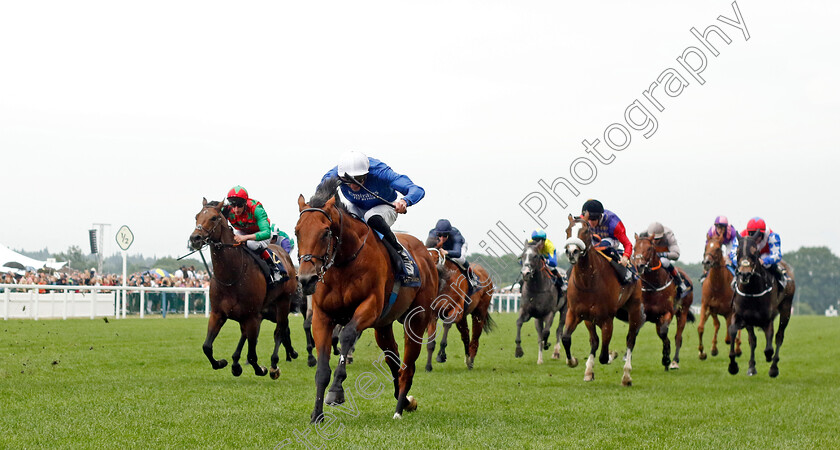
x: 325, y: 235
x: 215, y: 218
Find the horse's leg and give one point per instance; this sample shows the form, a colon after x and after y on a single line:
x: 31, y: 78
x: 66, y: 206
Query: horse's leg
x: 523, y: 317
x: 310, y: 342
x: 701, y: 327
x: 538, y: 324
x: 236, y: 369
x: 635, y: 319
x: 662, y: 332
x: 252, y: 331
x: 729, y: 321
x: 347, y: 337
x: 441, y: 357
x: 283, y: 308
x: 385, y: 340
x: 589, y: 373
x: 335, y: 337
x: 571, y: 323
x: 322, y: 334
x: 431, y: 332
x: 678, y: 337
x: 559, y: 333
x: 477, y: 328
x: 549, y: 320
x: 464, y: 330
x: 213, y: 326
x: 414, y: 327
x: 751, y: 370
x: 784, y: 318
x: 606, y: 356
x: 715, y: 336
x: 734, y: 328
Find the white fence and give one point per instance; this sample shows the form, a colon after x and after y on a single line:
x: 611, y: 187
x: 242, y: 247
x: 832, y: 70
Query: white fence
x: 24, y: 301
x: 505, y: 303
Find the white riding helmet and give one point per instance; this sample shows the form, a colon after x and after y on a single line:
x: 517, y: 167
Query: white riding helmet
x: 656, y: 230
x: 353, y: 163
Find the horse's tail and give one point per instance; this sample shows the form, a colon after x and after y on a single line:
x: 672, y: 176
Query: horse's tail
x: 690, y: 316
x: 489, y: 323
x: 298, y: 300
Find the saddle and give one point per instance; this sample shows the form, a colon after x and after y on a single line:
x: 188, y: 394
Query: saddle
x: 625, y: 274
x: 264, y: 268
x: 472, y: 280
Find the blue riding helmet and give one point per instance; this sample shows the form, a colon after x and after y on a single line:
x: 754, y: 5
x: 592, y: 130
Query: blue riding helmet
x: 538, y: 234
x: 443, y: 228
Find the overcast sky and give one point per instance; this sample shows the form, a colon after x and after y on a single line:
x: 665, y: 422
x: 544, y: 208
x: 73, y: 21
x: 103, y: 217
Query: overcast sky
x: 129, y: 113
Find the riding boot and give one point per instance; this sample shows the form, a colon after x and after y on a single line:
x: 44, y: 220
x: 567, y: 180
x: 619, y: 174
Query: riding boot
x: 278, y: 272
x: 780, y: 273
x: 406, y: 263
x: 681, y: 286
x: 625, y: 276
x: 558, y: 281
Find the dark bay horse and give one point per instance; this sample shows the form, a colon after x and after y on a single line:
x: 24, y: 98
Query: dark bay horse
x: 716, y: 296
x: 539, y: 300
x: 347, y: 270
x: 758, y: 299
x: 659, y: 297
x: 453, y: 305
x: 238, y: 291
x: 595, y: 296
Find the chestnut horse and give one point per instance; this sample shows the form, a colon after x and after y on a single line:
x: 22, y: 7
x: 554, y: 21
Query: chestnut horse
x: 596, y: 297
x: 453, y: 305
x: 539, y: 300
x: 659, y: 297
x: 758, y: 299
x: 347, y: 270
x: 238, y: 291
x: 716, y: 296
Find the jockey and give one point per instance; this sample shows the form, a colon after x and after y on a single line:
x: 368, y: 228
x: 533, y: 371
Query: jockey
x: 728, y: 235
x: 371, y: 187
x: 549, y: 253
x: 449, y: 240
x: 251, y: 225
x: 770, y: 246
x: 608, y: 231
x: 668, y: 250
x: 279, y: 237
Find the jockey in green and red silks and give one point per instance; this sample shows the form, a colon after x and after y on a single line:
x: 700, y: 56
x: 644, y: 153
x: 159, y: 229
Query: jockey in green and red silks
x: 251, y: 226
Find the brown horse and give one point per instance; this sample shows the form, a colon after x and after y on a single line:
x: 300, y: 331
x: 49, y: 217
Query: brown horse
x: 348, y: 272
x: 758, y: 299
x: 595, y: 296
x: 453, y: 305
x: 238, y: 291
x: 716, y: 296
x: 659, y: 298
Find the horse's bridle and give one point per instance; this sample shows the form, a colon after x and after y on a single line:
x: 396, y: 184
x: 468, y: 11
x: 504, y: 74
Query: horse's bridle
x: 218, y: 245
x: 328, y: 258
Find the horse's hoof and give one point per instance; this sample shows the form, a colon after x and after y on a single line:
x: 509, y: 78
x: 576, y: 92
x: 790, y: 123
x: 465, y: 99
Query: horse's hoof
x: 274, y: 372
x: 334, y: 398
x: 412, y: 404
x: 733, y: 368
x: 626, y: 381
x: 311, y: 361
x: 293, y: 354
x: 715, y: 352
x: 589, y: 377
x: 555, y: 355
x: 572, y: 362
x: 751, y: 371
x: 441, y: 358
x: 613, y: 356
x: 428, y: 367
x: 221, y: 364
x: 702, y: 356
x: 469, y: 362
x: 774, y: 372
x: 349, y: 359
x: 674, y: 365
x: 236, y: 370
x: 738, y: 352
x: 769, y: 356
x: 519, y: 353
x: 546, y: 345
x: 316, y: 418
x: 397, y: 416
x: 261, y: 372
x: 539, y: 361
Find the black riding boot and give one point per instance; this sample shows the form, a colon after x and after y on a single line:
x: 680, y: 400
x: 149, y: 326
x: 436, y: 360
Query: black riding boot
x: 275, y: 265
x: 780, y: 273
x: 404, y: 260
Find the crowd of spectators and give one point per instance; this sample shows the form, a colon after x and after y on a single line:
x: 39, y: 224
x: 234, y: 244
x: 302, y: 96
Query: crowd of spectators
x: 183, y: 277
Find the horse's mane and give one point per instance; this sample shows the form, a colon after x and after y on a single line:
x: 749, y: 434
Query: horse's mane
x: 213, y: 203
x: 325, y: 191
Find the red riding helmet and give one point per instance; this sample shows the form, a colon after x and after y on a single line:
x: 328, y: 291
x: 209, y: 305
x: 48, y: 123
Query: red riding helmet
x: 238, y: 192
x: 756, y: 224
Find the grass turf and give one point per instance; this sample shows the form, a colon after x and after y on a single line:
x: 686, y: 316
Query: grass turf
x: 146, y: 383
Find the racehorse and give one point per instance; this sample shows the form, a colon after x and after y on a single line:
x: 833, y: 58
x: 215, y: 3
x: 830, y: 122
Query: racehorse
x: 539, y: 300
x: 716, y: 296
x: 659, y: 294
x: 454, y: 305
x: 347, y: 270
x: 758, y: 299
x: 595, y: 296
x: 238, y: 291
x: 310, y: 341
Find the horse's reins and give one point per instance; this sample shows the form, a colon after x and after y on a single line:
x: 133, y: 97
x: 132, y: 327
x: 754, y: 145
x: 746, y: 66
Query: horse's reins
x: 217, y: 246
x: 328, y: 258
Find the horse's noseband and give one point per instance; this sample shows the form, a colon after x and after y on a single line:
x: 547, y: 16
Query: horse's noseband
x: 328, y: 258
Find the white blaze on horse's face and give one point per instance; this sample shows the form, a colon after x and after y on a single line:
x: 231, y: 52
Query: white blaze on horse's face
x: 526, y: 261
x: 574, y: 245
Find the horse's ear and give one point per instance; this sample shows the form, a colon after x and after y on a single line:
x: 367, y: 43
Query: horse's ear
x: 203, y: 201
x: 636, y: 235
x: 571, y: 218
x: 301, y: 203
x: 331, y: 202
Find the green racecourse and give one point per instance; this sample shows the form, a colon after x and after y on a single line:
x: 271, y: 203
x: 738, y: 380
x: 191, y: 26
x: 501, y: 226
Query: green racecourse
x: 146, y: 384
